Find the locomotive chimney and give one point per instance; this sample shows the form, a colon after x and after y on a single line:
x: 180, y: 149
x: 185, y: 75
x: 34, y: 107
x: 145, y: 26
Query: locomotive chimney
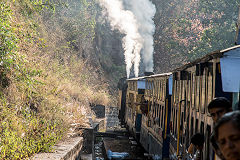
x: 148, y: 73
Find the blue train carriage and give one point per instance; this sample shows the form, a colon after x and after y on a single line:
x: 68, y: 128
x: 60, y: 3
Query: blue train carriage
x: 194, y: 85
x: 134, y: 99
x: 154, y: 134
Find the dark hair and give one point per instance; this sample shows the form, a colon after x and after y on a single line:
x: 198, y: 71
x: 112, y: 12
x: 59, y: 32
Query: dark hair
x: 197, y: 139
x: 220, y: 102
x: 233, y: 117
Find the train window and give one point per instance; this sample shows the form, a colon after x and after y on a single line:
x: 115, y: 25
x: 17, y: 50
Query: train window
x: 197, y: 96
x: 146, y: 87
x: 187, y: 130
x: 196, y: 126
x: 204, y: 87
x: 172, y: 118
x: 152, y: 88
x: 175, y: 91
x: 182, y: 90
x: 153, y: 109
x: 149, y: 87
x: 202, y: 128
x: 156, y: 110
x: 158, y: 115
x: 210, y: 87
x: 191, y: 128
x: 176, y: 122
x: 156, y: 89
x: 207, y: 143
x: 159, y: 89
x: 159, y: 122
x: 184, y: 111
x: 150, y: 106
x: 162, y: 116
x: 189, y: 90
x: 134, y: 86
x: 181, y: 129
x: 193, y: 90
x: 163, y: 89
x: 173, y: 121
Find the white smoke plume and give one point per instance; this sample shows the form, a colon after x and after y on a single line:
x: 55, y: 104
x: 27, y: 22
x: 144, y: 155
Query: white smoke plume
x: 137, y: 25
x: 144, y: 12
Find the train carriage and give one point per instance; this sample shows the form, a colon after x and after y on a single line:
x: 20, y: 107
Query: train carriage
x: 194, y: 86
x: 156, y: 114
x: 122, y: 90
x: 134, y: 98
x: 167, y: 109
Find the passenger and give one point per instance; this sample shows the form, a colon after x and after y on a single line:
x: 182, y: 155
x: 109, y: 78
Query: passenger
x: 197, y: 141
x: 227, y: 134
x: 217, y: 108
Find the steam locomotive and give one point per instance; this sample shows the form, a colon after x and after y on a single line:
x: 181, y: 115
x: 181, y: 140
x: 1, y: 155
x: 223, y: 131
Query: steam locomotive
x: 163, y: 111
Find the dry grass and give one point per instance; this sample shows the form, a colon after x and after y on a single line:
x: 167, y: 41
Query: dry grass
x: 51, y: 85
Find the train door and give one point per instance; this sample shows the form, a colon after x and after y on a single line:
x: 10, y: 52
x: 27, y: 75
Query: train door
x: 166, y: 126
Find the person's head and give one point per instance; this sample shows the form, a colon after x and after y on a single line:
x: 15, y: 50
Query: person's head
x: 227, y: 134
x: 198, y: 140
x: 218, y: 107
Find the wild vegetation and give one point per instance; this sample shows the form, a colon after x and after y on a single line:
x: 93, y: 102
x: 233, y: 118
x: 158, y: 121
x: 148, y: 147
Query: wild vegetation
x: 45, y: 83
x: 188, y: 29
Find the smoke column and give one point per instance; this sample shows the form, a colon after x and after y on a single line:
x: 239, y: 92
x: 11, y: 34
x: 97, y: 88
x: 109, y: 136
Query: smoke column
x: 144, y: 12
x: 137, y: 25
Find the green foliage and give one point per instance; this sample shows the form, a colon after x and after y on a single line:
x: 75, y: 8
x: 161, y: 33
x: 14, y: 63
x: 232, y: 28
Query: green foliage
x: 78, y: 21
x: 35, y: 92
x: 8, y: 38
x: 29, y: 7
x: 193, y: 28
x: 25, y: 133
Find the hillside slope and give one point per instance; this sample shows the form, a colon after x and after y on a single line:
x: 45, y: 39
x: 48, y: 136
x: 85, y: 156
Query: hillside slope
x: 46, y: 81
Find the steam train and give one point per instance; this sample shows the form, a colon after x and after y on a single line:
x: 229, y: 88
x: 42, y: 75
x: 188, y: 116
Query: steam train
x: 163, y: 111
